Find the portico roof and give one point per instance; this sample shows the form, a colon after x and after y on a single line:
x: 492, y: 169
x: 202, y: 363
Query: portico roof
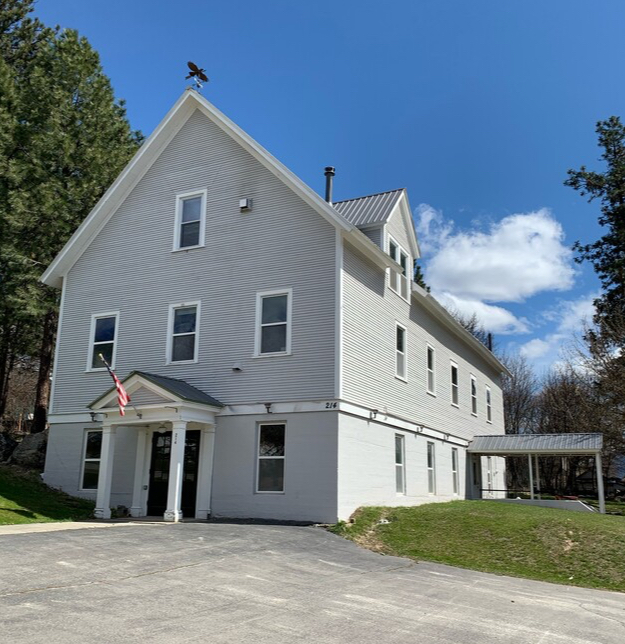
x: 519, y: 444
x: 177, y: 389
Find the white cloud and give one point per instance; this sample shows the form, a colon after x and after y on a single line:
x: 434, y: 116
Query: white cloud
x: 495, y: 318
x: 515, y: 258
x: 570, y: 317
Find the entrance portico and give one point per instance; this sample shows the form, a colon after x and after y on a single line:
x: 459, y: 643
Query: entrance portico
x: 171, y: 408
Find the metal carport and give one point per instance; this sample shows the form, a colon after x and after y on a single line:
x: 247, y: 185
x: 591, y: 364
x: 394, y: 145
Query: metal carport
x: 543, y: 445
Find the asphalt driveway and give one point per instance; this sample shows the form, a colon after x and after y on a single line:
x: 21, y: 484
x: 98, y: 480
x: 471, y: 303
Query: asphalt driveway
x: 201, y: 582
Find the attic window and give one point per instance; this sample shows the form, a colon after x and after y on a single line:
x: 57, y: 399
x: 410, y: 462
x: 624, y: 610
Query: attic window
x: 400, y: 283
x: 190, y: 220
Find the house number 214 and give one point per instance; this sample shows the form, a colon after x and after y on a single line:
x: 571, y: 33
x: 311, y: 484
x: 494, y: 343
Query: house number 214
x: 331, y: 405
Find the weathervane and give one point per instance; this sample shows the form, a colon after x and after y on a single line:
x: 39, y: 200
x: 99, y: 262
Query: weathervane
x: 197, y: 74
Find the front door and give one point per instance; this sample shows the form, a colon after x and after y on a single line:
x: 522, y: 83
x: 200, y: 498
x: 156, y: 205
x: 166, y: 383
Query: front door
x: 159, y: 473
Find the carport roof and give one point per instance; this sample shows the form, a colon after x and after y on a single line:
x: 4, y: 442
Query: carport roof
x: 517, y: 444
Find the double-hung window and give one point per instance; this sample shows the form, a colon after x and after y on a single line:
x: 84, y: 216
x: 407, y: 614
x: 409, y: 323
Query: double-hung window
x: 431, y: 366
x: 431, y: 469
x: 473, y: 395
x: 273, y: 323
x: 182, y: 345
x: 91, y: 459
x: 454, y: 384
x: 454, y: 469
x: 400, y: 475
x: 489, y: 407
x: 103, y: 340
x: 400, y: 282
x: 271, y: 457
x: 401, y: 351
x: 190, y: 220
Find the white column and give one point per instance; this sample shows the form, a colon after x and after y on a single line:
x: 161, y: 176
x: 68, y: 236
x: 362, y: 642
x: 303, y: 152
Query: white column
x: 205, y: 473
x: 105, y: 476
x: 176, y: 467
x: 537, y: 477
x: 600, y: 492
x: 529, y: 460
x: 136, y: 509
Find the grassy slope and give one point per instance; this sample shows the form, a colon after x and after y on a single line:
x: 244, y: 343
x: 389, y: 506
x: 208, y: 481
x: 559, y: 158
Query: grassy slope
x: 537, y: 543
x: 25, y: 499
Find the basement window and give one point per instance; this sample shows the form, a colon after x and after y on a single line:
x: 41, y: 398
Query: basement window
x: 91, y: 459
x: 271, y: 457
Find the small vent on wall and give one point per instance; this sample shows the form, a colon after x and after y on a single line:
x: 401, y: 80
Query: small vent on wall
x: 245, y: 205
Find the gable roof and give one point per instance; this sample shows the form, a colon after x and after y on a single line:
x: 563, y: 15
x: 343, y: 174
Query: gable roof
x: 370, y: 209
x: 150, y: 151
x: 177, y: 388
x: 537, y: 444
x: 373, y: 211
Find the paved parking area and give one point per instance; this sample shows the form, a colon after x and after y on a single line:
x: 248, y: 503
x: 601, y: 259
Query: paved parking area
x: 202, y: 582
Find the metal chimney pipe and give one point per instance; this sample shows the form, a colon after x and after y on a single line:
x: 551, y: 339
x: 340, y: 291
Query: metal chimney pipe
x: 329, y: 173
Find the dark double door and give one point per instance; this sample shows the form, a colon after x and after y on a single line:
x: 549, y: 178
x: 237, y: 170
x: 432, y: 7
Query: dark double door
x: 159, y: 473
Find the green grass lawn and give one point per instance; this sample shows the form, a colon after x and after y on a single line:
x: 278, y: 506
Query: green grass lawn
x: 25, y: 499
x: 537, y: 543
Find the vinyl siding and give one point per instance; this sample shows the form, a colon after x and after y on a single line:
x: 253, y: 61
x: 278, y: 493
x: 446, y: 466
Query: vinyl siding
x: 376, y: 235
x: 130, y: 268
x: 370, y: 313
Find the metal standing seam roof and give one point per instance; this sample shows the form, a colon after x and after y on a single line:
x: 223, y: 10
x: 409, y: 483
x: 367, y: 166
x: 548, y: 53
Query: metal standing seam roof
x: 178, y: 388
x: 511, y: 444
x: 369, y: 210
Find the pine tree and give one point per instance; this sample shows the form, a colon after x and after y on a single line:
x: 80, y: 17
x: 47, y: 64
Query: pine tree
x: 68, y: 138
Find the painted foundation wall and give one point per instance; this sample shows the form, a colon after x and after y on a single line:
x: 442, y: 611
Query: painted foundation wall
x: 310, y: 492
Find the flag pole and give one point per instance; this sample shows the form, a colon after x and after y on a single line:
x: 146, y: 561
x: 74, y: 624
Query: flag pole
x: 115, y: 380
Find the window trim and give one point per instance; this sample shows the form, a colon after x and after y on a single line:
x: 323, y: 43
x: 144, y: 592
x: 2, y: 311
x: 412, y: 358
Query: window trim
x: 489, y: 405
x: 94, y: 317
x: 84, y: 460
x: 428, y: 348
x: 180, y: 197
x: 258, y: 323
x: 259, y: 457
x: 407, y: 277
x: 453, y: 365
x: 433, y: 468
x: 473, y: 397
x: 170, y: 329
x: 402, y: 464
x: 455, y: 478
x: 403, y: 378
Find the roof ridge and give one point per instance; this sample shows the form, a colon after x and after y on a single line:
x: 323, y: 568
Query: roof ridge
x: 374, y: 194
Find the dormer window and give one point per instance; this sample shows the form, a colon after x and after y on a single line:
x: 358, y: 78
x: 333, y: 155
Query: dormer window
x: 190, y: 220
x: 400, y: 283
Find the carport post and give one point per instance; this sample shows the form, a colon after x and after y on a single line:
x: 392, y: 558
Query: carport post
x: 600, y: 491
x: 537, y: 477
x: 529, y: 461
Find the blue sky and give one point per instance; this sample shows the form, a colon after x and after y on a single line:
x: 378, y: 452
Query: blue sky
x: 477, y: 108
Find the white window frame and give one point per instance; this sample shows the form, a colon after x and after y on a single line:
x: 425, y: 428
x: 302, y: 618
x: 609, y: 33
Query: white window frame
x: 428, y: 348
x: 178, y: 225
x: 454, y: 388
x: 85, y: 459
x: 259, y: 458
x: 397, y: 282
x: 401, y: 465
x: 432, y: 469
x: 398, y: 375
x: 455, y: 479
x: 489, y: 405
x: 170, y: 332
x: 473, y: 396
x: 259, y: 317
x: 98, y: 316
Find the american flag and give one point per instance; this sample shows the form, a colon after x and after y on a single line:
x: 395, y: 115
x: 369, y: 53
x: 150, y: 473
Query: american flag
x: 122, y: 396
